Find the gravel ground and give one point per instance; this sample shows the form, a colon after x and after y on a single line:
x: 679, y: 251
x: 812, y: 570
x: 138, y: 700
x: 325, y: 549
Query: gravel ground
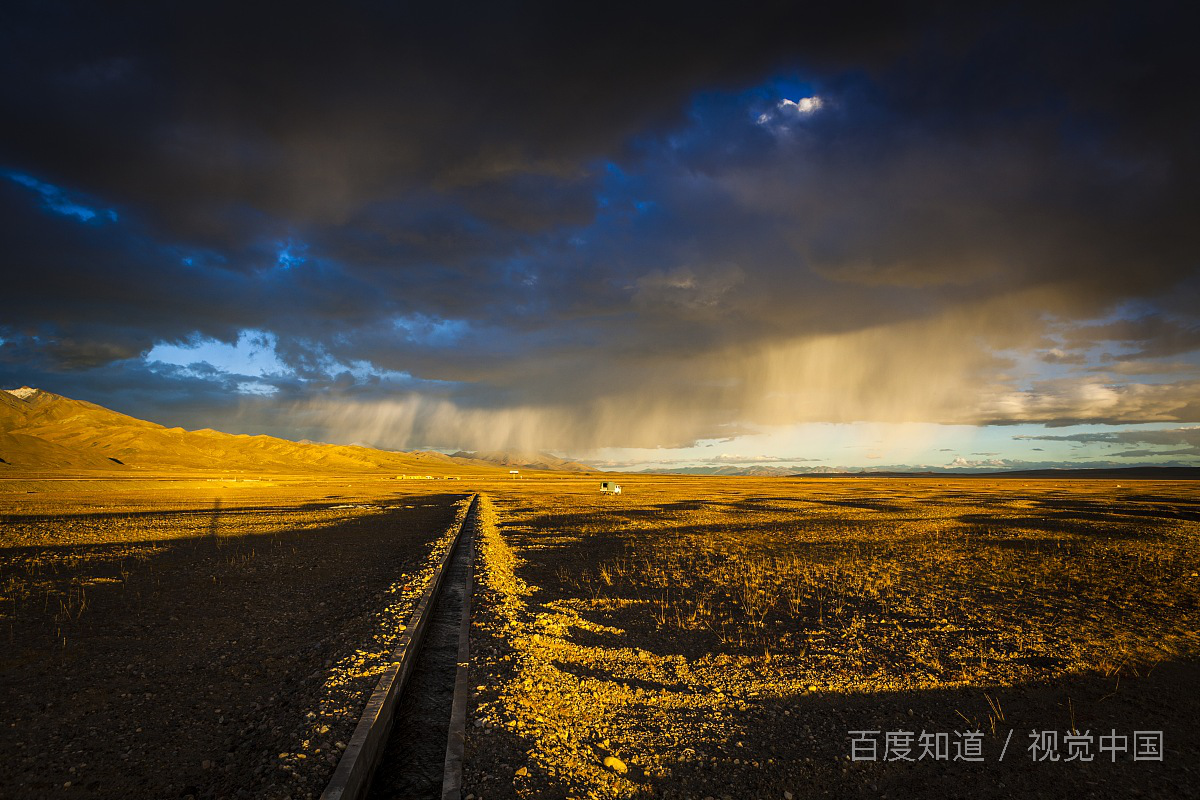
x: 599, y: 695
x: 621, y: 648
x: 210, y: 651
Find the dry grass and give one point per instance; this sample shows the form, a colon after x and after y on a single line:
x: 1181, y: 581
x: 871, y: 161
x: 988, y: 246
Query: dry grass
x: 687, y: 612
x: 991, y: 586
x: 719, y: 637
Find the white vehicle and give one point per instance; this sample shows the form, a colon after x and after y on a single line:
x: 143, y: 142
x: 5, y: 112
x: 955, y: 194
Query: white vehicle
x: 608, y: 487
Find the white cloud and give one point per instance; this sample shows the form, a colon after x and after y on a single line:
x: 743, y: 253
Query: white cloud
x: 786, y: 111
x: 1085, y: 399
x: 999, y: 463
x: 805, y: 105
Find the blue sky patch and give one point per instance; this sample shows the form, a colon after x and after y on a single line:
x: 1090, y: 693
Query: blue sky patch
x: 60, y: 201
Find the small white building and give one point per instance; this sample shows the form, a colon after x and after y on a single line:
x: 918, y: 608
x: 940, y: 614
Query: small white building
x: 514, y: 473
x: 608, y: 487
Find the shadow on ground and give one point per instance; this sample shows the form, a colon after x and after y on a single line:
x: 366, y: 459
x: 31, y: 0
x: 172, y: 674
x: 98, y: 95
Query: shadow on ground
x: 185, y: 669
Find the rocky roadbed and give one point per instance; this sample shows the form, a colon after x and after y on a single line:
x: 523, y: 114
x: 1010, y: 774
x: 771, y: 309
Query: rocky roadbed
x: 229, y: 661
x: 587, y: 696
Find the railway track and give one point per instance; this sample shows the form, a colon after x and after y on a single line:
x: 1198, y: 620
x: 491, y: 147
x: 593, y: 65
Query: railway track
x: 409, y: 740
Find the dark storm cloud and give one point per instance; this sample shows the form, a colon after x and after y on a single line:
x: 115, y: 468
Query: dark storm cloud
x: 1183, y: 451
x: 1151, y: 336
x: 1186, y: 441
x: 1168, y: 436
x: 575, y: 213
x: 97, y: 291
x: 311, y: 111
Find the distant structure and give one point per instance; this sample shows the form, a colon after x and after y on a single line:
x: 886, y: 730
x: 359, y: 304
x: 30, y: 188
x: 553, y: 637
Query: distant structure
x: 514, y: 473
x: 608, y: 487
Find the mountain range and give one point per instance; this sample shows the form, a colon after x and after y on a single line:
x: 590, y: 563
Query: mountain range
x: 1165, y: 473
x: 756, y: 471
x: 45, y: 432
x: 535, y: 461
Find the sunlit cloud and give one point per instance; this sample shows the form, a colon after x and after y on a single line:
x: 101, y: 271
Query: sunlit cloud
x: 786, y: 111
x: 805, y: 105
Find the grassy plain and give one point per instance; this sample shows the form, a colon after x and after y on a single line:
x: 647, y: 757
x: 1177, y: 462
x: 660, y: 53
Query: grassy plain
x: 723, y: 637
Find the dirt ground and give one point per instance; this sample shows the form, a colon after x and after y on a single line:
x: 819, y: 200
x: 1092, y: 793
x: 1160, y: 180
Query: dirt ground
x: 727, y: 638
x: 692, y: 638
x: 175, y: 639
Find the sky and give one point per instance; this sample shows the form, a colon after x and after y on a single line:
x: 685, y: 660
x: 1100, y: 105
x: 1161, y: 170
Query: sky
x: 642, y: 235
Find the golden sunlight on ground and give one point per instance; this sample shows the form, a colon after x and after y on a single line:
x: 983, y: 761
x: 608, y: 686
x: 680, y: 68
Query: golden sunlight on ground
x: 723, y: 638
x: 697, y: 638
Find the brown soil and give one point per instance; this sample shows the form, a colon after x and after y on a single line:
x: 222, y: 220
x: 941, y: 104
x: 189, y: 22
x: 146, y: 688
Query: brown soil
x: 706, y: 638
x: 165, y: 647
x: 659, y: 628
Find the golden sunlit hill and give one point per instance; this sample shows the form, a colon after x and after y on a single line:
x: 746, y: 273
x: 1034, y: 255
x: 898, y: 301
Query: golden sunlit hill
x: 42, y: 431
